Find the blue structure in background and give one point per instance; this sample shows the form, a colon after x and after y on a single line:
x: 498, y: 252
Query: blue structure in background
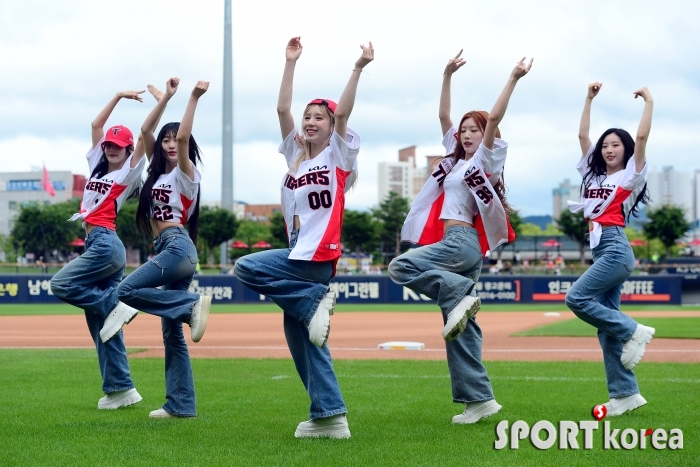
x: 661, y: 289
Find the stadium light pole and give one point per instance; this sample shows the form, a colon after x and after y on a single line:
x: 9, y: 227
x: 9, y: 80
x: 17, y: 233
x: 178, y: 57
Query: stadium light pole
x: 227, y: 125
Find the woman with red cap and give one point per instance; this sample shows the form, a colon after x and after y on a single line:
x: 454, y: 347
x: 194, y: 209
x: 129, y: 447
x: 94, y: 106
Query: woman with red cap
x: 90, y: 281
x: 321, y: 162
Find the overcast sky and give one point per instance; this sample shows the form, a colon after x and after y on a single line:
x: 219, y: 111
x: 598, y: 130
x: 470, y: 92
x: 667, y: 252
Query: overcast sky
x: 62, y: 61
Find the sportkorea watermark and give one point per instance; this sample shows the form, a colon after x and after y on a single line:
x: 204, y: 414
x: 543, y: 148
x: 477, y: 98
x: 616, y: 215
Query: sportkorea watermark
x: 572, y: 435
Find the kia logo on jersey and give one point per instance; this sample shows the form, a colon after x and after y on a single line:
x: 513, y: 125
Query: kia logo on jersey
x: 312, y: 169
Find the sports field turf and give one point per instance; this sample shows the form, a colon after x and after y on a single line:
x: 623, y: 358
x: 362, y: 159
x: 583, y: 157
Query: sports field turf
x: 400, y: 413
x: 65, y: 309
x: 673, y: 328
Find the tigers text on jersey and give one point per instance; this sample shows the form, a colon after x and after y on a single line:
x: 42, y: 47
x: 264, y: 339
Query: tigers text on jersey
x: 316, y: 193
x: 464, y: 192
x: 175, y: 195
x: 104, y: 196
x: 606, y: 200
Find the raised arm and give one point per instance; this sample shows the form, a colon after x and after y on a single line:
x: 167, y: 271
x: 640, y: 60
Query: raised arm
x: 99, y: 123
x: 640, y: 144
x: 453, y: 65
x: 584, y: 128
x: 284, y: 102
x: 151, y: 123
x: 347, y: 99
x: 185, y: 130
x: 499, y: 108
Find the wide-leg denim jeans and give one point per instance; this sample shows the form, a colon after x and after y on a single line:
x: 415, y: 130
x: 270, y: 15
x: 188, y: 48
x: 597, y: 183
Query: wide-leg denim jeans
x: 298, y: 287
x: 172, y: 269
x: 595, y: 298
x: 90, y: 282
x: 446, y: 271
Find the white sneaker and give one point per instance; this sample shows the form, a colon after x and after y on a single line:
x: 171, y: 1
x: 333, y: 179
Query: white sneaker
x: 633, y: 349
x: 320, y: 324
x: 330, y: 427
x: 458, y: 317
x: 160, y: 413
x: 121, y: 315
x: 200, y: 316
x: 475, y: 411
x: 117, y: 399
x: 624, y: 404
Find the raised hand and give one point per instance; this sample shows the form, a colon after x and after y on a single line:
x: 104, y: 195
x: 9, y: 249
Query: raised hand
x: 521, y: 69
x: 644, y: 94
x: 594, y: 89
x: 171, y: 86
x: 155, y: 92
x: 200, y: 88
x: 131, y: 95
x: 294, y: 49
x: 455, y: 63
x: 366, y: 57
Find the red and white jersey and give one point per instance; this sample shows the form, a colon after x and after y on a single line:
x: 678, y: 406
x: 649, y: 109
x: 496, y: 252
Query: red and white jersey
x: 175, y: 195
x: 316, y: 193
x: 607, y: 199
x: 104, y: 196
x: 464, y: 192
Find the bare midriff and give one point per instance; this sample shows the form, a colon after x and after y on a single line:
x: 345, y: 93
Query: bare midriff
x: 447, y: 223
x: 296, y: 223
x: 159, y: 226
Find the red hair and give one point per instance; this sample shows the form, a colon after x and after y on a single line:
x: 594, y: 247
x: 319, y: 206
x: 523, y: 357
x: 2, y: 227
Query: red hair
x: 481, y: 117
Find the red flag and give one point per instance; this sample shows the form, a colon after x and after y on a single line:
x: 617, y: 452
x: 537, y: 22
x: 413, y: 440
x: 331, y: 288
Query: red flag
x: 46, y: 183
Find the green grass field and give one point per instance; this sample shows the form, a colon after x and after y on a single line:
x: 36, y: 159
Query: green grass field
x: 400, y: 413
x: 268, y: 307
x: 673, y: 328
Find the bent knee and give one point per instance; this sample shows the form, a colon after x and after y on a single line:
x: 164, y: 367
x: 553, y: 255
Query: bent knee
x: 59, y: 287
x: 243, y: 268
x: 574, y: 301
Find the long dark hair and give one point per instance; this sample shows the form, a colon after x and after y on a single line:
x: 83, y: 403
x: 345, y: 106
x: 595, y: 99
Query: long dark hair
x: 102, y: 167
x: 597, y: 166
x: 480, y: 117
x: 156, y: 168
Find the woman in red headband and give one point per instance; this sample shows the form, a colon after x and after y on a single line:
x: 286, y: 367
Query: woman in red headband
x: 321, y: 160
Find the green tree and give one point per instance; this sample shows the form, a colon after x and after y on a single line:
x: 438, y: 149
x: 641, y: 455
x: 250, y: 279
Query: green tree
x: 278, y: 229
x: 41, y: 229
x: 575, y: 226
x: 391, y: 215
x: 360, y: 232
x: 250, y: 232
x: 528, y: 228
x: 516, y: 222
x: 216, y: 225
x: 667, y: 223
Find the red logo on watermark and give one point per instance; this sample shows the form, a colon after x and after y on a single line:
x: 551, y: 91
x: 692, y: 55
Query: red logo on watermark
x: 599, y: 412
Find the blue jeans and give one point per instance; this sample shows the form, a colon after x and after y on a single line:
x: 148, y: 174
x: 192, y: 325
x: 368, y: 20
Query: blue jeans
x: 298, y: 287
x: 90, y: 282
x: 595, y: 298
x: 172, y: 269
x: 446, y: 271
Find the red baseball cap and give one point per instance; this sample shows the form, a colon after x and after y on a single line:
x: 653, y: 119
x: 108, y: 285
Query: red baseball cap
x: 327, y: 102
x: 119, y: 135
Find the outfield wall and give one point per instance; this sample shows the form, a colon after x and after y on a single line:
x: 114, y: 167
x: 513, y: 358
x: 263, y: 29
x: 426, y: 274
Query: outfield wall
x: 380, y: 289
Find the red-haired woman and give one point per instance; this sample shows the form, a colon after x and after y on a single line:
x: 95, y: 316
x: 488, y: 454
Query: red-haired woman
x: 460, y: 213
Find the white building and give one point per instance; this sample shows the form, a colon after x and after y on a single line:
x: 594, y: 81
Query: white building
x: 23, y: 188
x: 672, y: 187
x: 402, y: 177
x: 560, y: 195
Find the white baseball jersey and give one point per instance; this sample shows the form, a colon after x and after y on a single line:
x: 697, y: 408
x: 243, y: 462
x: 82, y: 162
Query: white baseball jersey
x: 175, y: 195
x: 316, y: 193
x: 607, y: 200
x: 104, y: 196
x: 464, y: 192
